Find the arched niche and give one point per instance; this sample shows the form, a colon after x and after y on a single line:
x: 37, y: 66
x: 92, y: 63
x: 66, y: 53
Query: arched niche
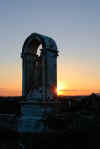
x: 30, y: 56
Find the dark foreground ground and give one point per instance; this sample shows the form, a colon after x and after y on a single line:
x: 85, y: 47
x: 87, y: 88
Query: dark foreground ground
x: 79, y: 140
x: 75, y: 125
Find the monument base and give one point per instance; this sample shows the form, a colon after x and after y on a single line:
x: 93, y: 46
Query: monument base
x: 33, y: 116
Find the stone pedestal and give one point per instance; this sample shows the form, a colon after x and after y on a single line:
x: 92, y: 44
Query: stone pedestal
x: 32, y: 117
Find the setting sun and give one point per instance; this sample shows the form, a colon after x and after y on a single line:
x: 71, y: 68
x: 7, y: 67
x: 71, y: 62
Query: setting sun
x: 60, y: 87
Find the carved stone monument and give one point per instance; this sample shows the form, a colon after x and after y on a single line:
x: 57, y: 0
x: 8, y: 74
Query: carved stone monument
x: 39, y: 71
x: 39, y: 82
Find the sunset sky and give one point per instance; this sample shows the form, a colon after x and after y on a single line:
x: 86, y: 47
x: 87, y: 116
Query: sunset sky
x: 75, y: 26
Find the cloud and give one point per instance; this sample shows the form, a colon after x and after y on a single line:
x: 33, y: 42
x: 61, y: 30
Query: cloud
x: 74, y: 90
x: 79, y: 90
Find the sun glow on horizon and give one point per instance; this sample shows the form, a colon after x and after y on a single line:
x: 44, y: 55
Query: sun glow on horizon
x: 60, y: 87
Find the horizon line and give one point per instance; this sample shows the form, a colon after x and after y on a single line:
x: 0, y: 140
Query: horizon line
x: 80, y: 90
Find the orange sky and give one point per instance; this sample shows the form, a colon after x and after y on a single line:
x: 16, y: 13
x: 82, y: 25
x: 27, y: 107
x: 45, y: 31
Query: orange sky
x: 70, y: 82
x: 77, y: 92
x: 11, y: 80
x: 9, y: 92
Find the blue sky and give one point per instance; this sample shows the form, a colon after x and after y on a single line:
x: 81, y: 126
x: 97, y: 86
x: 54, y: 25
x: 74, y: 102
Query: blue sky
x: 74, y: 24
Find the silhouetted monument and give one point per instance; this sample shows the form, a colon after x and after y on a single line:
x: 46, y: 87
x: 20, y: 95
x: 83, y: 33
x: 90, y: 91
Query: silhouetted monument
x: 39, y: 78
